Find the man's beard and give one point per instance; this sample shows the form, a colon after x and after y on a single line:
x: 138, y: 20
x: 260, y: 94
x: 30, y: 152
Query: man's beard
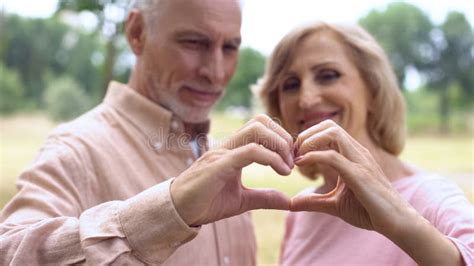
x: 186, y: 113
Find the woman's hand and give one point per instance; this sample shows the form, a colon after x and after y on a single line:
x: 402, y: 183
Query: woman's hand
x: 363, y: 196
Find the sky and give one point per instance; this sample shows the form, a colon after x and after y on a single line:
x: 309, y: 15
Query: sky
x: 265, y: 22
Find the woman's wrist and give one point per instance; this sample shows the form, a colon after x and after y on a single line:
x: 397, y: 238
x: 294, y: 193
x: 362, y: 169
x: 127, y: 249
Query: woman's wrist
x: 403, y: 222
x: 397, y: 218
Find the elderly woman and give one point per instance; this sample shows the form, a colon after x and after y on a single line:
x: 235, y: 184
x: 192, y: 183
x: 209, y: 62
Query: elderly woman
x: 334, y: 90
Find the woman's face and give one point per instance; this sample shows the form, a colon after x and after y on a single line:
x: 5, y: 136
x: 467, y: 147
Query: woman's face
x: 322, y: 83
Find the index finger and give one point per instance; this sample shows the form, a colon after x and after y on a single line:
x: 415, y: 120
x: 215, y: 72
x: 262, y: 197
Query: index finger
x: 254, y: 153
x: 312, y: 131
x: 274, y: 126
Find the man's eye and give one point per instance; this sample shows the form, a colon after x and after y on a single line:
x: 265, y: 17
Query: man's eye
x: 192, y: 43
x: 230, y: 48
x: 328, y: 75
x: 291, y: 85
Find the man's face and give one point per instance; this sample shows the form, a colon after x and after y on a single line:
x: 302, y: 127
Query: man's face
x: 190, y: 55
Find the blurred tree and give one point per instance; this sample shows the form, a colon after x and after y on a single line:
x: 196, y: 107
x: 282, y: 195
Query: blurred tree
x: 250, y: 67
x: 65, y: 99
x: 454, y: 64
x: 403, y: 30
x: 81, y: 58
x: 11, y: 91
x: 42, y: 49
x: 443, y: 55
x: 110, y: 14
x: 29, y: 46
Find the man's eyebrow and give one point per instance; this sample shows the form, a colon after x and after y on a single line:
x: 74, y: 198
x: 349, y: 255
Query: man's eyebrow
x: 236, y: 41
x: 193, y: 33
x: 189, y: 33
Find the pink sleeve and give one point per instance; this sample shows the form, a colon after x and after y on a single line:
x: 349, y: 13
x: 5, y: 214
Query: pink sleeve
x: 466, y: 251
x: 447, y: 208
x: 45, y: 223
x: 455, y: 219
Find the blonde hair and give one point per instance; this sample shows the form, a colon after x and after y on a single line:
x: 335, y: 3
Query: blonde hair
x: 386, y: 121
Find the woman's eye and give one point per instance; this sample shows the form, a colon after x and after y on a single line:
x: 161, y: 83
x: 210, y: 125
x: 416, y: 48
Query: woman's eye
x: 291, y: 85
x: 328, y: 75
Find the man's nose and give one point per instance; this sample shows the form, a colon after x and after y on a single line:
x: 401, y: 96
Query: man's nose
x: 213, y: 68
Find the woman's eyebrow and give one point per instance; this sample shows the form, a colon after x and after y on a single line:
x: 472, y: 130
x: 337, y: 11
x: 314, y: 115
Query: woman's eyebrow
x: 324, y: 64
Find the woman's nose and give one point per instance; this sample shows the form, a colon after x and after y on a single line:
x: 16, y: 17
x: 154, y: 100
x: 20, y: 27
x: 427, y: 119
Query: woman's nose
x: 310, y: 95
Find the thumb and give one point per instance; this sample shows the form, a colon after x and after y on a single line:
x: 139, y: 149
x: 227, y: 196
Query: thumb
x: 264, y: 198
x: 313, y: 202
x: 318, y: 202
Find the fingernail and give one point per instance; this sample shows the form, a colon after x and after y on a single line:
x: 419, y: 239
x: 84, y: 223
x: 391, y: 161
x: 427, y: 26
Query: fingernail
x: 295, y: 151
x: 299, y: 158
x: 287, y: 169
x: 290, y: 160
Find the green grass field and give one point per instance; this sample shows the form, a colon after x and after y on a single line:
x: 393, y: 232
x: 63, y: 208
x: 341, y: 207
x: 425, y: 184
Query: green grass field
x: 21, y: 136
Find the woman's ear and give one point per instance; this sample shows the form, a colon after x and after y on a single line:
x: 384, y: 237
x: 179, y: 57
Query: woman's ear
x: 135, y: 31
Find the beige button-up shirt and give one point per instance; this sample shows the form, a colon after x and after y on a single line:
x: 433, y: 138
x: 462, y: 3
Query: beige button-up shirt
x: 98, y: 193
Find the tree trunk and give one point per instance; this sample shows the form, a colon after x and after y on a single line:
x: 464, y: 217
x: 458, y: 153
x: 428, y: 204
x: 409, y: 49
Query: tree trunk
x: 110, y: 58
x: 444, y: 111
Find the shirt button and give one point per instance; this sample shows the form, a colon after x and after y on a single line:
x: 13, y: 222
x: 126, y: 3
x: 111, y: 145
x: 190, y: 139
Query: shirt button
x: 174, y: 125
x: 226, y: 260
x: 189, y: 161
x: 157, y: 145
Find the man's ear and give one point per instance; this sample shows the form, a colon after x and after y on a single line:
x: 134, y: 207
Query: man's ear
x: 135, y: 31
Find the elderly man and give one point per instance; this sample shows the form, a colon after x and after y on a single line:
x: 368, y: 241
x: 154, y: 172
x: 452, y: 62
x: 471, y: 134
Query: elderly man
x: 121, y: 184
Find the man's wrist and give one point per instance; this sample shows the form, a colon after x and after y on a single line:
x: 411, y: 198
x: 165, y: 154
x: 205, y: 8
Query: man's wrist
x: 175, y: 199
x: 152, y: 225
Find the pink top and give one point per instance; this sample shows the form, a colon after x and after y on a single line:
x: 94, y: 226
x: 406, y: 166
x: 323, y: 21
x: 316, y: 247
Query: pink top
x: 319, y: 239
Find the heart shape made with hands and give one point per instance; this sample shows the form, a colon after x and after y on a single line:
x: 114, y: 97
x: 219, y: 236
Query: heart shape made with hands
x: 301, y: 150
x: 344, y: 161
x: 211, y: 189
x: 306, y: 168
x: 301, y: 181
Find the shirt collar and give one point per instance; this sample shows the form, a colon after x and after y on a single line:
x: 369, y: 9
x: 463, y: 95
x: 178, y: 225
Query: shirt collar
x: 147, y: 116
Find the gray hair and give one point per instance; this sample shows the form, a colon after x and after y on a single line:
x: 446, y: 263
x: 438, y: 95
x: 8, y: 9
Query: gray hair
x: 146, y: 7
x: 149, y: 7
x: 142, y: 4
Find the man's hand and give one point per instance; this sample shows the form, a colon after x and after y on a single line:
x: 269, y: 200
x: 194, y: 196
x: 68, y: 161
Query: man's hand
x: 266, y: 132
x: 211, y: 189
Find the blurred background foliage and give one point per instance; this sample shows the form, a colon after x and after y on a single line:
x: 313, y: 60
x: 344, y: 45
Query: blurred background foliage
x: 443, y: 55
x: 36, y: 53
